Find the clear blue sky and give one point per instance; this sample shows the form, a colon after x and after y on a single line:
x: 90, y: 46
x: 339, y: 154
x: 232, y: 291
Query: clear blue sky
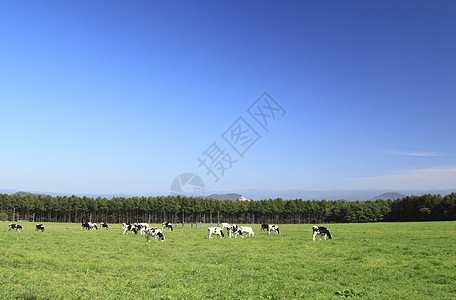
x: 123, y: 96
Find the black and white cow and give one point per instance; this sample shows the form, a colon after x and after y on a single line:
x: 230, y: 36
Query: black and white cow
x: 39, y: 227
x: 104, y: 225
x: 89, y: 226
x: 15, y: 227
x: 129, y: 228
x: 273, y: 228
x: 234, y: 229
x: 124, y: 225
x: 215, y: 230
x: 320, y: 230
x: 270, y: 228
x: 141, y: 228
x: 167, y: 225
x: 156, y: 233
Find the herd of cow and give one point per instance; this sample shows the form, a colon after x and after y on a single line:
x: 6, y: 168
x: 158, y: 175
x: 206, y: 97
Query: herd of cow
x: 145, y: 229
x: 235, y: 230
x: 17, y: 227
x: 93, y: 226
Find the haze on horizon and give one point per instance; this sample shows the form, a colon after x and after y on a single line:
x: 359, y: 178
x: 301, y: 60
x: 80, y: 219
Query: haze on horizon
x: 120, y: 97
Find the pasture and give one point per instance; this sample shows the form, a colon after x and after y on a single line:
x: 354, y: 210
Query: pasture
x: 369, y: 261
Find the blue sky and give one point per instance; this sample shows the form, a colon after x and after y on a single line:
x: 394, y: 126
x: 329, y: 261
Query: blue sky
x: 123, y: 96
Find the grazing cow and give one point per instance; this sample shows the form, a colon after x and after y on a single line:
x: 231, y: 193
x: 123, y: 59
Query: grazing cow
x: 167, y: 225
x: 215, y: 230
x: 234, y: 229
x: 273, y: 228
x: 129, y: 228
x: 320, y: 230
x: 141, y: 228
x: 39, y: 227
x: 124, y: 225
x: 248, y: 230
x: 15, y: 227
x: 89, y: 226
x: 103, y: 225
x: 155, y: 232
x: 264, y: 227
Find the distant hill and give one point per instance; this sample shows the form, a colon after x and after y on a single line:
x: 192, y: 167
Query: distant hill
x: 22, y: 193
x: 25, y: 193
x: 261, y: 194
x: 390, y: 195
x: 230, y: 196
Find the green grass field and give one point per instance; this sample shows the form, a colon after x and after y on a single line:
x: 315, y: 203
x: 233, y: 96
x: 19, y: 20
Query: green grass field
x: 369, y: 261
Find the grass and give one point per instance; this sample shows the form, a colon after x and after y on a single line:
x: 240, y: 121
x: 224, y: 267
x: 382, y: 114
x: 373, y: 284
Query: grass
x: 368, y: 261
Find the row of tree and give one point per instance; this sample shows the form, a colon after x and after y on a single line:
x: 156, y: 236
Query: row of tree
x: 178, y: 209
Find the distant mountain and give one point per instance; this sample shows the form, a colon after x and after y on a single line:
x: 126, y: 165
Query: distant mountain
x: 261, y: 194
x: 389, y: 195
x: 23, y: 193
x: 9, y: 192
x: 107, y: 196
x: 349, y: 195
x: 27, y: 193
x: 229, y: 196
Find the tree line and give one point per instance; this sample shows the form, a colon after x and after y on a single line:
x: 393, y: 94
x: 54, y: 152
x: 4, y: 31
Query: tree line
x: 178, y: 209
